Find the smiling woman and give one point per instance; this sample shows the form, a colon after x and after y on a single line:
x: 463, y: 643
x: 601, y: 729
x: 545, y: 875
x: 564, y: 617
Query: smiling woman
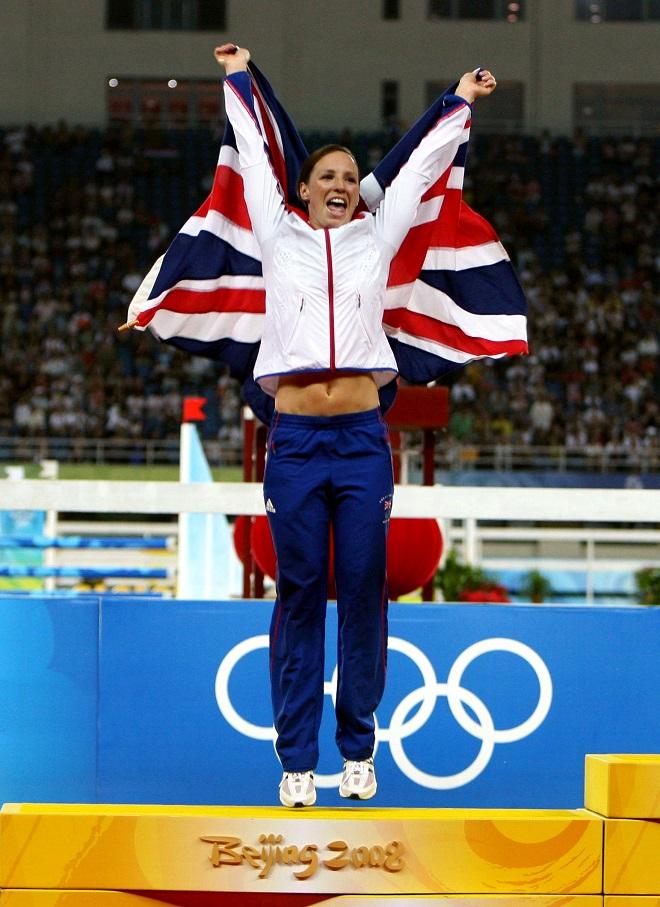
x: 323, y: 356
x: 329, y: 185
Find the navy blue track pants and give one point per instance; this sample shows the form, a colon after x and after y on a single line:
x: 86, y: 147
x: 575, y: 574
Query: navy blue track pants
x: 325, y: 471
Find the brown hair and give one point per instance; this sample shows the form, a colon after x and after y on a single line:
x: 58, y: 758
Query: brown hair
x: 312, y: 160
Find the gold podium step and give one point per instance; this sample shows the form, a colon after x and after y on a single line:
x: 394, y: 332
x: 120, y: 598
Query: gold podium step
x: 623, y: 786
x: 349, y: 851
x: 205, y: 899
x: 625, y: 790
x: 631, y: 900
x: 632, y: 857
x: 190, y: 856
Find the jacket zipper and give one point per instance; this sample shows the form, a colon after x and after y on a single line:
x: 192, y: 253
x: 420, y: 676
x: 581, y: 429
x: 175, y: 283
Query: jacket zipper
x: 296, y: 325
x: 361, y: 318
x: 331, y: 298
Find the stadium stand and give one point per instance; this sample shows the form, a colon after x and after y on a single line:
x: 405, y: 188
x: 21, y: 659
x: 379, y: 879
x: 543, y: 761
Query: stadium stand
x: 84, y: 213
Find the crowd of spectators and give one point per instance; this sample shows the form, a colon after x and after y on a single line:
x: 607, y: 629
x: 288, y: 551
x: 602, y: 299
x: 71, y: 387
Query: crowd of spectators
x: 581, y: 218
x: 83, y: 215
x: 75, y: 241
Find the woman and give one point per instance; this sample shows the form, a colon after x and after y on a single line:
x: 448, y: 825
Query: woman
x: 323, y: 357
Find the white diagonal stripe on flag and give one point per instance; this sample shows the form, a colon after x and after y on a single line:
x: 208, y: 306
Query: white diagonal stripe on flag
x: 427, y: 300
x: 461, y: 259
x: 428, y: 211
x: 436, y: 349
x: 244, y: 327
x: 213, y: 222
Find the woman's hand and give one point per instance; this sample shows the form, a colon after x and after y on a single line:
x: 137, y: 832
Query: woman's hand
x: 232, y: 57
x: 470, y: 87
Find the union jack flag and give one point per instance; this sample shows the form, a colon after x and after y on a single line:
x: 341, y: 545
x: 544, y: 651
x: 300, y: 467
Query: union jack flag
x: 452, y: 294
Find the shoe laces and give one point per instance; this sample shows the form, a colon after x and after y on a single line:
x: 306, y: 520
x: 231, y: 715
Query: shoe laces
x: 298, y: 777
x: 358, y: 766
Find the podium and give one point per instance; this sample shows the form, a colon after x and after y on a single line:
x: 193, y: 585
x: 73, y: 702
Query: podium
x: 625, y: 789
x: 72, y: 855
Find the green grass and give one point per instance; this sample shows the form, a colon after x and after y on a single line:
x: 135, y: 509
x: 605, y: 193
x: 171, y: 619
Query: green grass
x: 158, y: 473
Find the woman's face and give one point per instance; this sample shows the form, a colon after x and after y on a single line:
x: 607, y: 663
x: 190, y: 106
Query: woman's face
x: 333, y: 191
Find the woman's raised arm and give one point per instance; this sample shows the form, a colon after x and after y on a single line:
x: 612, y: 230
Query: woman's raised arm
x: 232, y: 57
x: 262, y: 190
x: 477, y: 84
x: 436, y: 151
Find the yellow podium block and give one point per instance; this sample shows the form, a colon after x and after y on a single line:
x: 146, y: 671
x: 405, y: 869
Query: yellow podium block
x: 631, y: 900
x: 623, y: 786
x: 187, y: 899
x: 632, y: 857
x: 334, y: 851
x: 26, y: 898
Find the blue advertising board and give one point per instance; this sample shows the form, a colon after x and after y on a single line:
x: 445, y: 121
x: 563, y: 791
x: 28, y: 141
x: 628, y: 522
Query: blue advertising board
x: 48, y: 698
x: 485, y: 705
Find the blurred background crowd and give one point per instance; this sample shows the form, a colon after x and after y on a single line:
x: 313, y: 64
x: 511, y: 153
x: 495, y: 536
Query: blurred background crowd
x: 84, y: 213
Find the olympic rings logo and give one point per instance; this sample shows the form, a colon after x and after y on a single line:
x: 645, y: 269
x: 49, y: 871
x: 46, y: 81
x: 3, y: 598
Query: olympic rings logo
x: 426, y: 696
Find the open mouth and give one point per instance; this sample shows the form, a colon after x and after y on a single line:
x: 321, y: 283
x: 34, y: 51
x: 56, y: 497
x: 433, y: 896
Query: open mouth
x: 337, y: 205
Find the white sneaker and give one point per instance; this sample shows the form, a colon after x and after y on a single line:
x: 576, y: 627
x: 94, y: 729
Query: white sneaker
x: 358, y: 780
x: 297, y: 789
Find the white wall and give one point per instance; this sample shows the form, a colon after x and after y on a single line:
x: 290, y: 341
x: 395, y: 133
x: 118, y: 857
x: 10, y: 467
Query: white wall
x: 326, y: 59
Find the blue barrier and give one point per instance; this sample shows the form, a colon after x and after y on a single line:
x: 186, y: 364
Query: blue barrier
x: 83, y: 541
x: 90, y: 573
x: 543, y: 478
x: 23, y: 523
x: 48, y: 698
x: 486, y: 705
x: 73, y: 592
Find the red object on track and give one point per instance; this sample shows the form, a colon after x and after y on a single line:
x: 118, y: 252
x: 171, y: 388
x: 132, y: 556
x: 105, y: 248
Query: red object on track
x: 414, y: 549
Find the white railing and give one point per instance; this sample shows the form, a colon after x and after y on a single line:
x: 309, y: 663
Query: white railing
x: 448, y: 502
x: 629, y: 518
x: 449, y: 455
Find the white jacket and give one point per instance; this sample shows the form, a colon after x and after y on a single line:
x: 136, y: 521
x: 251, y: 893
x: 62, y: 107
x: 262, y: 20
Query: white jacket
x: 325, y: 288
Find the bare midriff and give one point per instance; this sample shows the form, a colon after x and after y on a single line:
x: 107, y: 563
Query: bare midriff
x: 326, y: 393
